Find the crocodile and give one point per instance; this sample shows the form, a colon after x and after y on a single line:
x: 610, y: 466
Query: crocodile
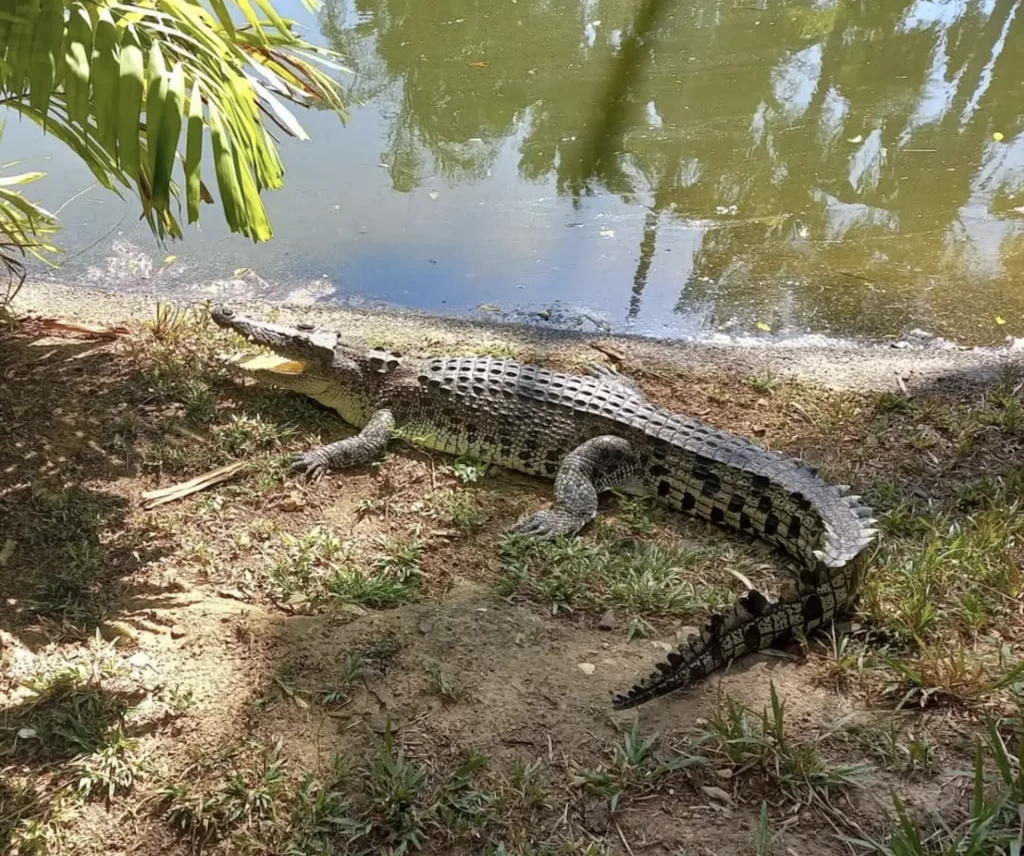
x: 590, y: 433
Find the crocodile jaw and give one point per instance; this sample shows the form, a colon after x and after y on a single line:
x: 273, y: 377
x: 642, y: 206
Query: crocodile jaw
x: 295, y: 375
x: 257, y: 363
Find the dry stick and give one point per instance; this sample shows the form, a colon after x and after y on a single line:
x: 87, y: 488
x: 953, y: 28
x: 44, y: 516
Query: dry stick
x: 622, y: 838
x: 178, y: 491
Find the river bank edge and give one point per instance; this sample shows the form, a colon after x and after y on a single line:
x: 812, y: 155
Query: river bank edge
x: 840, y: 365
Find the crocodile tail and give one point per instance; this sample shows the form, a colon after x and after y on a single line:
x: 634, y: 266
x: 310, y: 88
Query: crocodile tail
x: 755, y: 622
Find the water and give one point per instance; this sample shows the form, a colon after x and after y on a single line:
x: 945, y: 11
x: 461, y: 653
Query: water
x: 806, y: 167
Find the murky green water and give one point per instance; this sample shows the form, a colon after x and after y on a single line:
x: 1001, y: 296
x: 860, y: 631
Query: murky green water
x: 844, y: 168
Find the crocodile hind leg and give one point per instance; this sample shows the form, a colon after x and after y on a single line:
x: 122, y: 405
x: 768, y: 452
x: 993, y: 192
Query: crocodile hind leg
x: 367, y: 445
x: 592, y: 467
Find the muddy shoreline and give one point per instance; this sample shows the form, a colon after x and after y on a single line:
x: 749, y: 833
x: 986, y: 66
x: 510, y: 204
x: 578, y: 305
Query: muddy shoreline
x: 840, y: 366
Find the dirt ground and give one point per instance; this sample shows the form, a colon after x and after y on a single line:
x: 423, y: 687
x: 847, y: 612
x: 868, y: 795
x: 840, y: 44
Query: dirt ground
x: 365, y: 665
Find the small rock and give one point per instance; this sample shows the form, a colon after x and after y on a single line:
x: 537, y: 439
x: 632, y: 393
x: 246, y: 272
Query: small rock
x: 26, y: 733
x: 607, y: 621
x: 178, y: 632
x: 139, y: 661
x: 716, y: 793
x: 724, y: 773
x: 353, y: 609
x: 232, y: 593
x: 292, y: 502
x: 597, y: 817
x: 586, y: 668
x: 662, y: 646
x: 426, y: 626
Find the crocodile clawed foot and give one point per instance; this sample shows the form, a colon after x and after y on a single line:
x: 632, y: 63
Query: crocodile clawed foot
x: 546, y: 524
x: 313, y: 466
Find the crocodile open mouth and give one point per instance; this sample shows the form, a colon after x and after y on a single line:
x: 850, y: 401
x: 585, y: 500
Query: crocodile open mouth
x: 267, y: 363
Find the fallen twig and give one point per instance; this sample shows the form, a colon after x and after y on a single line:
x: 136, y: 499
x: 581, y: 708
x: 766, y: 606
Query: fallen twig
x: 59, y: 325
x: 178, y: 491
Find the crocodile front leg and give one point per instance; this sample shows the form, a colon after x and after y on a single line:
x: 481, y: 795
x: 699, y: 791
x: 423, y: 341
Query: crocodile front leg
x: 592, y: 467
x: 367, y: 445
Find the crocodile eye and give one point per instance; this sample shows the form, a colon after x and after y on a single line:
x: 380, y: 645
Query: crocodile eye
x: 306, y: 326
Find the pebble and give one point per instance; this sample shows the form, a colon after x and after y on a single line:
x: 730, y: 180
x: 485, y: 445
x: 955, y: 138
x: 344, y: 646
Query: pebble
x: 586, y: 668
x: 597, y: 817
x: 292, y: 502
x: 716, y: 793
x: 139, y: 661
x: 662, y: 646
x: 177, y: 631
x: 607, y: 621
x: 426, y: 626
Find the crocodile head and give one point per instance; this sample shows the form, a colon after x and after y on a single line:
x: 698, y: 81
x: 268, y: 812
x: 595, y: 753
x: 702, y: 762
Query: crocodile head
x: 305, y: 359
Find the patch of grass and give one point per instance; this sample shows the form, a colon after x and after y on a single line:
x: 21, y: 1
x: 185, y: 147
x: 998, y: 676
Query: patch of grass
x: 31, y: 824
x: 387, y: 804
x: 844, y: 661
x: 111, y: 770
x: 66, y: 522
x: 377, y: 590
x: 443, y: 684
x: 320, y: 567
x: 306, y: 558
x: 458, y: 509
x: 468, y: 470
x: 744, y: 742
x: 642, y: 579
x: 764, y: 838
x: 633, y: 768
x: 943, y: 675
x: 902, y: 746
x: 990, y: 825
x: 71, y: 712
x: 400, y: 557
x: 763, y: 383
x: 246, y: 802
x: 244, y: 435
x: 940, y: 573
x: 172, y: 325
